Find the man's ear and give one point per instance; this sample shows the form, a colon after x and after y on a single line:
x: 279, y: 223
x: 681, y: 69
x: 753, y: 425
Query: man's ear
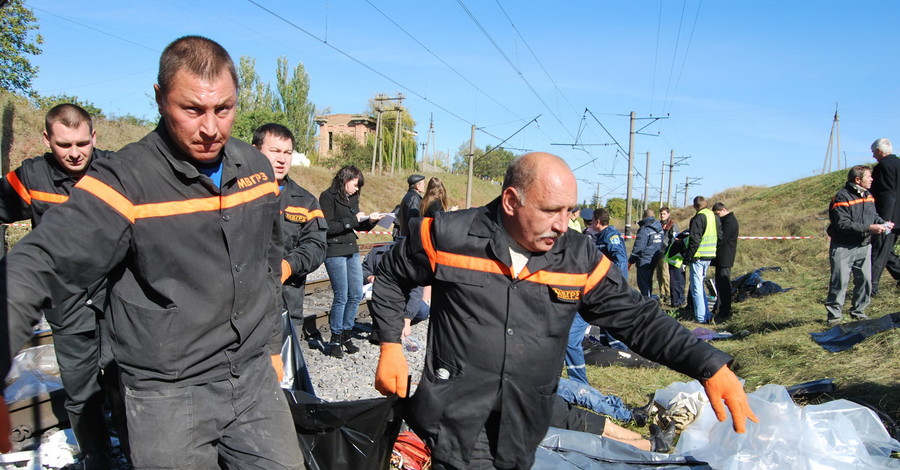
x: 46, y: 139
x: 509, y: 201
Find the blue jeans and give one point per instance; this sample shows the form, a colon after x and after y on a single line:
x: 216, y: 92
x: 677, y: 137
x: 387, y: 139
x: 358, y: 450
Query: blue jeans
x: 591, y: 398
x: 698, y: 291
x: 345, y: 274
x: 574, y: 351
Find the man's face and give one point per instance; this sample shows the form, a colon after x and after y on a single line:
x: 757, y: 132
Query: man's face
x: 71, y: 147
x: 877, y: 154
x: 420, y: 186
x: 865, y: 181
x: 198, y: 113
x: 664, y: 215
x: 545, y: 215
x: 278, y: 150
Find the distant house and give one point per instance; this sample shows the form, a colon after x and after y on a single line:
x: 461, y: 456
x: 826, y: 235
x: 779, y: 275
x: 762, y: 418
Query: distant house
x: 357, y: 125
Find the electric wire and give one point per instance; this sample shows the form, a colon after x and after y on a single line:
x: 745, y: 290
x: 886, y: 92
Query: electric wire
x: 686, y: 50
x: 674, y: 54
x: 97, y: 30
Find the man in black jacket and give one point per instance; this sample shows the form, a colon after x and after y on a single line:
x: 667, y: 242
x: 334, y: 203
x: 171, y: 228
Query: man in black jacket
x: 409, y: 205
x: 507, y: 280
x: 853, y: 222
x: 725, y: 252
x: 886, y: 191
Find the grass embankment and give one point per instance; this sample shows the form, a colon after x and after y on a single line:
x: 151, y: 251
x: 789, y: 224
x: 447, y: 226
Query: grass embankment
x: 779, y: 349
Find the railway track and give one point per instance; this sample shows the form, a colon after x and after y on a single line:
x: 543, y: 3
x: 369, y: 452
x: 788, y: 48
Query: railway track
x: 32, y: 416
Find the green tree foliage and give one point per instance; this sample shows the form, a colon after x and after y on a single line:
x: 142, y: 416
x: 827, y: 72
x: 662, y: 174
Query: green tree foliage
x: 408, y: 149
x: 47, y: 102
x: 16, y: 42
x: 489, y: 163
x: 347, y: 150
x: 299, y: 112
x: 616, y: 207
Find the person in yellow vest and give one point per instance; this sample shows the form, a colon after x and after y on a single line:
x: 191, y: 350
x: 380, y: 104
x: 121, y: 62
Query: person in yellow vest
x: 705, y: 231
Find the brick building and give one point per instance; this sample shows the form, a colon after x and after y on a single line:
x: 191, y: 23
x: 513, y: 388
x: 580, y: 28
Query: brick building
x: 333, y: 125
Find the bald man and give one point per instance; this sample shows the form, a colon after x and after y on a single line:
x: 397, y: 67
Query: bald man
x: 507, y: 280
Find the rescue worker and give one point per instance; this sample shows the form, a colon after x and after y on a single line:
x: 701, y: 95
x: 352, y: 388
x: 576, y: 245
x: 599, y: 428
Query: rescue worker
x: 185, y: 224
x: 725, y: 253
x: 409, y: 205
x: 507, y: 279
x: 79, y: 329
x: 608, y: 240
x: 302, y: 222
x: 671, y: 285
x: 705, y: 231
x: 646, y: 251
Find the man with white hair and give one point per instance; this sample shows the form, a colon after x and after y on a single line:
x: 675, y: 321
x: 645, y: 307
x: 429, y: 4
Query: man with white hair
x: 886, y: 191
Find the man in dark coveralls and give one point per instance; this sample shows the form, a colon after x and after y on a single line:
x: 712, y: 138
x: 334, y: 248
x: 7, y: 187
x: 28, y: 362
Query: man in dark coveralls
x: 409, y: 205
x: 185, y: 225
x: 507, y: 279
x: 79, y: 329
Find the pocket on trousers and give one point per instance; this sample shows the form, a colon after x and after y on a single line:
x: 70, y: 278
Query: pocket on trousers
x: 160, y: 425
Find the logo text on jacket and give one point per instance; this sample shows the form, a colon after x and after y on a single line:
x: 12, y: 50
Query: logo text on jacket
x: 251, y: 180
x: 567, y: 294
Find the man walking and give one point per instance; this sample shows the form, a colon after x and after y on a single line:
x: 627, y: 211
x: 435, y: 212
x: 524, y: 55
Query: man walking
x: 725, y: 252
x: 506, y: 281
x: 853, y: 222
x: 705, y: 232
x: 886, y: 191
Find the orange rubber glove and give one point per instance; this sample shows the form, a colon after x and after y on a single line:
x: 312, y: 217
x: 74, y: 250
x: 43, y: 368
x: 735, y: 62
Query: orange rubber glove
x: 285, y: 270
x: 5, y: 427
x: 725, y: 386
x: 392, y: 374
x: 278, y: 364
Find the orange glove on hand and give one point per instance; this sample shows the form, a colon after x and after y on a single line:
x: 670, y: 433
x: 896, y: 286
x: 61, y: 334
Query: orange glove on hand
x: 725, y: 386
x: 392, y: 374
x: 5, y: 427
x: 278, y: 364
x: 285, y: 270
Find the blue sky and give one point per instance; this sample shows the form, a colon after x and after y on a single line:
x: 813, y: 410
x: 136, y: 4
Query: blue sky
x: 748, y: 89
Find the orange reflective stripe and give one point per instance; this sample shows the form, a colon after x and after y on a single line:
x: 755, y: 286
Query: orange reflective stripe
x: 598, y: 274
x: 304, y: 211
x: 853, y: 202
x: 473, y: 263
x: 427, y: 243
x: 316, y: 213
x: 108, y: 195
x: 20, y: 188
x: 556, y: 279
x: 49, y: 197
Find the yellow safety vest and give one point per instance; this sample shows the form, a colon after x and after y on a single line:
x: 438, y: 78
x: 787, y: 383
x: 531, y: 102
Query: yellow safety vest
x: 708, y: 240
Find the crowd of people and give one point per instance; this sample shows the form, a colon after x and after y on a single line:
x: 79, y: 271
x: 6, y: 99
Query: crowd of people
x: 164, y: 268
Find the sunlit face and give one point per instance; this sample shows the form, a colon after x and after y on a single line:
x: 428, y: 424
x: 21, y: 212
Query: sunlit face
x: 351, y: 186
x: 278, y: 150
x: 544, y: 217
x: 866, y: 180
x: 664, y: 215
x: 71, y: 147
x: 198, y: 113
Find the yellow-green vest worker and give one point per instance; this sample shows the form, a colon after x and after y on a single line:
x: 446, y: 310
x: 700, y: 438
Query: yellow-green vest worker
x: 704, y: 246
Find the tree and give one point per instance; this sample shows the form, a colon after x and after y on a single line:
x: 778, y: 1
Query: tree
x: 489, y: 163
x: 408, y: 148
x: 349, y: 151
x: 616, y: 207
x: 47, y: 102
x: 299, y: 112
x: 16, y: 71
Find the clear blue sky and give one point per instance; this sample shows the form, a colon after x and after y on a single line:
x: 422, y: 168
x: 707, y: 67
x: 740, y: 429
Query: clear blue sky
x: 748, y: 88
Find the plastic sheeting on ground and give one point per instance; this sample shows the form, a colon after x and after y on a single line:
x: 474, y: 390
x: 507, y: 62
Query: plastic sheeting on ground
x: 569, y: 450
x: 835, y: 435
x: 841, y: 337
x: 34, y: 372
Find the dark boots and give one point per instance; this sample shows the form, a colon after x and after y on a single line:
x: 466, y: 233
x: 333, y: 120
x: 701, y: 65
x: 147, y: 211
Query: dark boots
x: 661, y: 440
x: 641, y: 415
x: 334, y: 346
x: 348, y: 343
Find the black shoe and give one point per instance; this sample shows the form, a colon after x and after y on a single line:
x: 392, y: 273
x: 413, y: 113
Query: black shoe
x: 662, y: 440
x: 641, y: 415
x: 348, y: 343
x: 334, y: 346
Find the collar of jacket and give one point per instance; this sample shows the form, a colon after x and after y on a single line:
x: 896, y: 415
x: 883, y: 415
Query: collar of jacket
x: 488, y: 223
x: 181, y: 164
x: 58, y: 174
x: 855, y: 188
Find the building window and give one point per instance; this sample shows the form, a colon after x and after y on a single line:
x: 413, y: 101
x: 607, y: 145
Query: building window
x: 330, y: 141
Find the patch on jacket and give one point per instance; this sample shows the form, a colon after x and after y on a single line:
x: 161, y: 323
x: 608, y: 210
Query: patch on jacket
x: 567, y: 294
x: 252, y: 180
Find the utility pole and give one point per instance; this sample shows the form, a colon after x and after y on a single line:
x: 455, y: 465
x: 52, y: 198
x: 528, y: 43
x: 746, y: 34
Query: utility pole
x: 395, y: 158
x: 687, y: 184
x: 646, y: 183
x: 670, y: 197
x: 471, y: 168
x: 429, y: 143
x: 628, y: 215
x: 835, y: 132
x: 379, y: 131
x: 662, y: 178
x: 377, y: 141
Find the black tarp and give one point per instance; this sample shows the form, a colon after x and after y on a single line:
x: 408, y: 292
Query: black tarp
x: 753, y: 285
x: 841, y: 337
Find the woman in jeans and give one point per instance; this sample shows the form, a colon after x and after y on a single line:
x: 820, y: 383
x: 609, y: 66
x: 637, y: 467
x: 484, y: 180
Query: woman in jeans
x: 340, y: 204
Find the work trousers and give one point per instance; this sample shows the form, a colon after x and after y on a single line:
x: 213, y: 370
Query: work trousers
x: 345, y: 274
x: 662, y: 279
x: 698, y: 290
x: 844, y: 261
x: 242, y: 423
x: 676, y: 285
x: 575, y: 367
x: 645, y: 279
x: 723, y: 291
x: 883, y: 257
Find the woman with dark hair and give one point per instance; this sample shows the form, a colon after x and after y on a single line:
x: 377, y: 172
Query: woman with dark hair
x: 340, y: 204
x: 435, y: 199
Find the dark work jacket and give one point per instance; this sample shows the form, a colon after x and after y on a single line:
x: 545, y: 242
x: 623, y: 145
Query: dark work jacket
x: 194, y: 269
x: 648, y: 244
x: 340, y: 215
x: 37, y: 186
x: 409, y: 209
x: 501, y: 339
x: 851, y: 212
x: 303, y: 225
x: 726, y: 248
x: 886, y: 189
x: 610, y: 242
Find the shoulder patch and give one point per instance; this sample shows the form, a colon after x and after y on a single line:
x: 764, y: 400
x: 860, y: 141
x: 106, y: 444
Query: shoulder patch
x: 567, y: 294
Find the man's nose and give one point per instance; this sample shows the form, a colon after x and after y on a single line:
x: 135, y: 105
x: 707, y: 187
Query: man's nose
x: 208, y: 125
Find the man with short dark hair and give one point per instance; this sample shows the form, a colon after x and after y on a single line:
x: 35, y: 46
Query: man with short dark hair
x: 302, y: 221
x: 506, y: 281
x: 647, y: 251
x: 853, y: 222
x: 726, y: 250
x: 185, y: 225
x: 409, y: 205
x: 705, y: 232
x: 886, y: 191
x: 79, y: 329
